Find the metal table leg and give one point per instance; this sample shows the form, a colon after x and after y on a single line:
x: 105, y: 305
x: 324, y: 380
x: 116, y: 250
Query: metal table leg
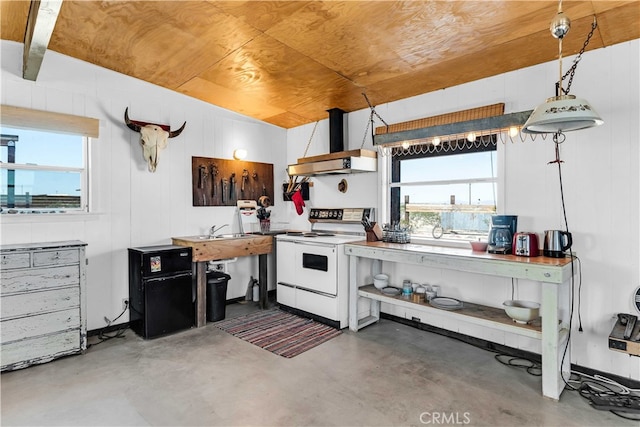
x: 262, y: 280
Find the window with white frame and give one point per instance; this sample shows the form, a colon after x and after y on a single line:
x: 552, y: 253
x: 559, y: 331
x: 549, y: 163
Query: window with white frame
x: 42, y: 171
x: 445, y: 191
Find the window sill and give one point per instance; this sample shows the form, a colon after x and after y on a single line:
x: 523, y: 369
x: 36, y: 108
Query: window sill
x: 54, y: 217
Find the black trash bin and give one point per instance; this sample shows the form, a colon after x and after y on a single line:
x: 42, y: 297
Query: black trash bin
x: 216, y: 295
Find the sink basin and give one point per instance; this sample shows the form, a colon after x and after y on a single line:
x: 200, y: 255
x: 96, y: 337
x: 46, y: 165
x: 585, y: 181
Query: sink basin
x: 230, y: 236
x: 224, y: 236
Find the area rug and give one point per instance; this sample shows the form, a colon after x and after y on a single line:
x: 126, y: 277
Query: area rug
x: 281, y: 333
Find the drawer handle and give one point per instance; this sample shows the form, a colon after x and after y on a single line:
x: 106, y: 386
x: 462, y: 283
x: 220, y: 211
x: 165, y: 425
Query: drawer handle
x: 67, y: 298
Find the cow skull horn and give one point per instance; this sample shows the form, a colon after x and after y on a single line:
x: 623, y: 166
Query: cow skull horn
x: 177, y: 132
x: 134, y: 127
x: 153, y: 137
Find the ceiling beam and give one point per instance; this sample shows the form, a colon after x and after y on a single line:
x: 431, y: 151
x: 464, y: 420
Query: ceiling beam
x: 40, y: 23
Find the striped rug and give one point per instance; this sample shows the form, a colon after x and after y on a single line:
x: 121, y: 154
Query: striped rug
x: 281, y: 333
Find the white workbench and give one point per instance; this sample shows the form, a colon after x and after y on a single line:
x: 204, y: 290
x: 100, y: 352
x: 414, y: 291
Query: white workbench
x: 553, y: 274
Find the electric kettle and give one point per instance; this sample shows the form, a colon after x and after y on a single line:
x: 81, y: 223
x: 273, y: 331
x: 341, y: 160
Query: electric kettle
x: 556, y: 242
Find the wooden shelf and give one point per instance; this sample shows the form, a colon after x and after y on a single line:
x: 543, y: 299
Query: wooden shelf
x: 474, y: 313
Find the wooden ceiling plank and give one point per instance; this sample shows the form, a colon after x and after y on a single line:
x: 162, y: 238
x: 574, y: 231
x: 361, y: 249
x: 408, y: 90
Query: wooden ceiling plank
x: 13, y: 20
x: 42, y: 19
x: 260, y: 14
x: 287, y: 62
x: 228, y: 98
x: 619, y: 24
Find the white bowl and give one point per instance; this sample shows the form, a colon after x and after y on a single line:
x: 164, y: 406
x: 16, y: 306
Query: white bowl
x: 380, y: 281
x: 522, y: 311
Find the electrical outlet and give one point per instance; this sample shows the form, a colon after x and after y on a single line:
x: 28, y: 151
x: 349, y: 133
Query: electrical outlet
x: 218, y: 267
x: 125, y: 303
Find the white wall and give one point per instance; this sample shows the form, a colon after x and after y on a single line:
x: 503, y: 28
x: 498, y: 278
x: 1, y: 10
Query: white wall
x: 131, y: 206
x: 601, y: 190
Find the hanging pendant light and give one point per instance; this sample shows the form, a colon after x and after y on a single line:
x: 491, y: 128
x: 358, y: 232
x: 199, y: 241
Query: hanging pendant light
x: 563, y: 112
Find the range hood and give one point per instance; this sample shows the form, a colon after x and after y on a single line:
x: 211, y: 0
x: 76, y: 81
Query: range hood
x: 337, y: 161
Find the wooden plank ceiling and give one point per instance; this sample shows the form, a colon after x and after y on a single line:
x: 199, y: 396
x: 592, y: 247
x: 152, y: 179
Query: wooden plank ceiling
x: 287, y: 62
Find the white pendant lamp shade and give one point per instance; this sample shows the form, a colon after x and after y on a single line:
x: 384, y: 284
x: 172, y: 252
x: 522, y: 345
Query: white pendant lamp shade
x: 562, y: 114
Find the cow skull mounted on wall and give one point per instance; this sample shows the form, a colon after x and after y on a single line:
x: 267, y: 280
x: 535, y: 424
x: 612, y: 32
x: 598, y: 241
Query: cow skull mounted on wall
x: 153, y: 137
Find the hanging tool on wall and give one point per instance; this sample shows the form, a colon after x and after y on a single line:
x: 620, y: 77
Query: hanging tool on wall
x: 254, y: 175
x: 232, y: 187
x: 225, y: 186
x: 213, y: 171
x: 245, y: 176
x: 202, y: 177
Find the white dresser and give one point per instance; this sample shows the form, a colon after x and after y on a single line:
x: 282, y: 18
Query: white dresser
x: 42, y: 302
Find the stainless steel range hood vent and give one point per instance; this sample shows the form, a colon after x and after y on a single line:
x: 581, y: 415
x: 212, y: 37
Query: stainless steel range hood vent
x: 338, y: 161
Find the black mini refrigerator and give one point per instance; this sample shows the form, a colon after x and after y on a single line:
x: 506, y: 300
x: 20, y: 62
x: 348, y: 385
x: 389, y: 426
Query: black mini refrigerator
x: 162, y: 290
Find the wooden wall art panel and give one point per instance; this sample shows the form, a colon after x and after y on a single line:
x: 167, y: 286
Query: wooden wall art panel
x: 222, y: 182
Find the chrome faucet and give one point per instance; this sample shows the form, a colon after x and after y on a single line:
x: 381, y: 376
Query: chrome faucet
x: 214, y: 230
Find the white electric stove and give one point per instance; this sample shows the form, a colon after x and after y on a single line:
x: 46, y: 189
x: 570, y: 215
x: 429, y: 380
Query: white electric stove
x: 312, y: 268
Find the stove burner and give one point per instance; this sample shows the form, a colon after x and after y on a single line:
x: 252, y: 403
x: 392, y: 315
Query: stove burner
x: 314, y: 234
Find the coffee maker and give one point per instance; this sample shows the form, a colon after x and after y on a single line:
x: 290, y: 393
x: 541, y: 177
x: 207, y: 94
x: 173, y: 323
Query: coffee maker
x: 503, y: 227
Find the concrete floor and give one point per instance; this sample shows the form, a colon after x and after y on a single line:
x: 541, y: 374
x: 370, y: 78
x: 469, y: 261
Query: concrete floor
x: 387, y: 374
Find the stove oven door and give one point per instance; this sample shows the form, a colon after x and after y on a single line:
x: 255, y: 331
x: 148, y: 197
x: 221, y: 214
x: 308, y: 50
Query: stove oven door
x: 309, y: 266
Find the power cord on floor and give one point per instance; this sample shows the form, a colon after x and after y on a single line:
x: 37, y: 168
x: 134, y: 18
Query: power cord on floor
x: 532, y: 368
x: 594, y: 388
x: 119, y: 333
x: 588, y: 386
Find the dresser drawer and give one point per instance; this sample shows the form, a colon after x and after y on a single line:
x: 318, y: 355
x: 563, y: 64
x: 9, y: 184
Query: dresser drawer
x: 15, y: 260
x: 58, y: 257
x: 39, y: 279
x: 42, y: 324
x: 20, y: 354
x: 21, y: 305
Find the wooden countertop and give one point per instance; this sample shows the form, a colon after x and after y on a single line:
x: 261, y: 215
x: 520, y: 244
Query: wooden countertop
x: 540, y: 268
x: 216, y: 249
x: 463, y: 252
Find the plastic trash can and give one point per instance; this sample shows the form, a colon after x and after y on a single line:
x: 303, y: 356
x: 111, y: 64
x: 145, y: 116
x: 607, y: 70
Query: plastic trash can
x: 216, y: 295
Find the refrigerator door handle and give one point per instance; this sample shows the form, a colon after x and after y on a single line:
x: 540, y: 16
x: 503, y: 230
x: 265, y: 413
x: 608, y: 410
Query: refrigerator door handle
x: 166, y: 277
